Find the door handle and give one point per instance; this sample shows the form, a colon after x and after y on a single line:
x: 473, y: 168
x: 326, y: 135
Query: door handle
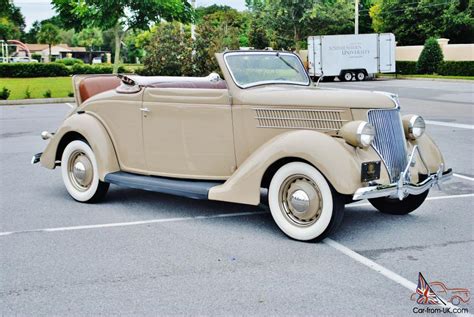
x: 145, y: 110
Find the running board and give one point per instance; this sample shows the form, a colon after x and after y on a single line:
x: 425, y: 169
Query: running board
x: 174, y: 186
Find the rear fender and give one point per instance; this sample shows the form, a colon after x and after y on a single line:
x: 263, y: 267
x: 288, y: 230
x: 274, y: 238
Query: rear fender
x: 334, y: 160
x: 92, y: 130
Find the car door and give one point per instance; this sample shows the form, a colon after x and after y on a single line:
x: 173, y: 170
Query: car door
x: 188, y: 133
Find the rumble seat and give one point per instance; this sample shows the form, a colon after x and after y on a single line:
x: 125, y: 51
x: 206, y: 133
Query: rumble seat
x: 94, y: 85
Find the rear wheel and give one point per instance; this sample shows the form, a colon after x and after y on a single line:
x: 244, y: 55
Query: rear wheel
x: 80, y: 174
x: 395, y: 206
x: 360, y: 76
x: 346, y: 76
x: 303, y: 204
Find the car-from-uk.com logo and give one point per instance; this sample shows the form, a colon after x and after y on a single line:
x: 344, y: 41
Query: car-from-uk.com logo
x: 436, y: 298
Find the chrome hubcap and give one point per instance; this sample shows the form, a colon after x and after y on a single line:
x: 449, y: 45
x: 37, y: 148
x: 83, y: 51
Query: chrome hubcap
x: 80, y: 170
x: 300, y: 200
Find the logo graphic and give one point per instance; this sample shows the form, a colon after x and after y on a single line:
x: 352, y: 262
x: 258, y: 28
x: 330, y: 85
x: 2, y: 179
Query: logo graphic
x: 425, y: 294
x: 431, y: 293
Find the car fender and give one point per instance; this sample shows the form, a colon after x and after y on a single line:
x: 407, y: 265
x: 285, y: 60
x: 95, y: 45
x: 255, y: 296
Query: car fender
x: 95, y: 134
x: 430, y: 154
x: 334, y: 160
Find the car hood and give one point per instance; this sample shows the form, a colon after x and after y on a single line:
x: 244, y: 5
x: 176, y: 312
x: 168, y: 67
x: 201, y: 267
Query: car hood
x: 291, y: 95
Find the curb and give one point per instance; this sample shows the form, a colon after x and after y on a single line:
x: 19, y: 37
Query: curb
x: 35, y: 101
x: 451, y: 80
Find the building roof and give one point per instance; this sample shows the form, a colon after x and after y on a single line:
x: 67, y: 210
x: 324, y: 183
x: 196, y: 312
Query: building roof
x: 62, y: 47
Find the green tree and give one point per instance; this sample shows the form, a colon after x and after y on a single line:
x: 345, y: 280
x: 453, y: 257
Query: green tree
x: 430, y: 58
x: 333, y: 17
x: 413, y: 21
x: 49, y: 34
x: 12, y: 21
x: 170, y: 52
x: 121, y: 16
x: 90, y: 38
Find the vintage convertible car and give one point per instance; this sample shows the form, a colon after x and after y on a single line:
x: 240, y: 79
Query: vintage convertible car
x: 265, y: 126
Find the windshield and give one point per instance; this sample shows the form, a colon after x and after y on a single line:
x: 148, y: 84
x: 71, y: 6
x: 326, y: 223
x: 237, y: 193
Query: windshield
x: 258, y: 68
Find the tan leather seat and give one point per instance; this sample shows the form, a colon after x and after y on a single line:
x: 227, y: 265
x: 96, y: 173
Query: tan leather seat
x: 91, y: 86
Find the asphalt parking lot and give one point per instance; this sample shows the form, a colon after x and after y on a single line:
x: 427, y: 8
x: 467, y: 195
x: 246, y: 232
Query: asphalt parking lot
x: 142, y: 253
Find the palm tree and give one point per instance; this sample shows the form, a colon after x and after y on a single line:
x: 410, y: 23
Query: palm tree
x: 49, y: 34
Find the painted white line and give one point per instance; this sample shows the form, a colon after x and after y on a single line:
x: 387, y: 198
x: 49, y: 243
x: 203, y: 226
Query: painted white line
x: 464, y: 177
x: 382, y: 270
x: 429, y: 198
x: 451, y: 124
x: 134, y: 223
x: 69, y: 105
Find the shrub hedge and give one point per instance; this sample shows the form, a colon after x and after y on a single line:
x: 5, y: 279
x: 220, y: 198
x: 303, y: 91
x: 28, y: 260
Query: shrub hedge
x: 431, y: 57
x: 455, y: 68
x: 90, y: 69
x: 447, y: 68
x: 406, y: 67
x: 52, y: 69
x: 33, y: 70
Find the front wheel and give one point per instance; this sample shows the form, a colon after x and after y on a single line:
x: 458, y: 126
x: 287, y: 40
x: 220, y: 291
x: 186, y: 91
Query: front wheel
x: 80, y: 173
x: 346, y: 76
x: 303, y: 204
x: 394, y: 206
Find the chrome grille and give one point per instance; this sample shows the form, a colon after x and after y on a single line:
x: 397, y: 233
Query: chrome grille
x: 299, y: 119
x: 389, y: 140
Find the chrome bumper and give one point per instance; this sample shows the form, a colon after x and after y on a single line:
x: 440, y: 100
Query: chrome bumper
x: 402, y: 188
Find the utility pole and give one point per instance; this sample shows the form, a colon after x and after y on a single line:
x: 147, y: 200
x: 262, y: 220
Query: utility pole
x: 356, y: 19
x: 193, y: 27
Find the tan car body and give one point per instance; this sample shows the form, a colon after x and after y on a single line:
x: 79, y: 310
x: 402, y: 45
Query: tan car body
x: 234, y: 135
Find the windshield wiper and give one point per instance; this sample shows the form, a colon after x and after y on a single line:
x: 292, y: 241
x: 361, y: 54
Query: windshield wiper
x: 287, y: 64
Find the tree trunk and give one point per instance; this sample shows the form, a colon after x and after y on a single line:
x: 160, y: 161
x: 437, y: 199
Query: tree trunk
x: 50, y: 57
x: 297, y: 39
x: 117, y: 48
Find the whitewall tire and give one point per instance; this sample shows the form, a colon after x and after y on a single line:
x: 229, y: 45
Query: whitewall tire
x: 80, y: 173
x: 303, y: 204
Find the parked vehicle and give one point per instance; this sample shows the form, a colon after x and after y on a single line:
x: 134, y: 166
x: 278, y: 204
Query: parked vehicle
x: 97, y: 60
x: 264, y: 126
x: 351, y: 56
x: 22, y: 60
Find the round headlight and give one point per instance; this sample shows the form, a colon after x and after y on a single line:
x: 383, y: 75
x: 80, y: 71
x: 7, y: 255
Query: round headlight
x: 414, y: 126
x: 365, y: 134
x: 358, y: 133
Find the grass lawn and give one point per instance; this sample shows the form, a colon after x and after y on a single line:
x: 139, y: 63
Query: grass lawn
x: 60, y: 86
x: 427, y: 76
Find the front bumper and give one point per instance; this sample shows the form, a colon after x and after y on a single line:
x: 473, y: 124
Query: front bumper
x: 402, y: 188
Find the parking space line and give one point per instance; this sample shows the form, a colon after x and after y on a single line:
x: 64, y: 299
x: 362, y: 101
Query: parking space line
x: 464, y: 177
x: 451, y: 124
x: 382, y: 270
x: 133, y: 223
x: 162, y: 220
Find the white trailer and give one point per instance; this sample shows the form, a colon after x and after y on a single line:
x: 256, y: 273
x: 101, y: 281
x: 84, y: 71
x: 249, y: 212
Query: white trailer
x: 351, y: 56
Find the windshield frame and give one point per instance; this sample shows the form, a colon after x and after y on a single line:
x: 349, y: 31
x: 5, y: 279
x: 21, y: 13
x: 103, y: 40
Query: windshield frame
x: 266, y: 82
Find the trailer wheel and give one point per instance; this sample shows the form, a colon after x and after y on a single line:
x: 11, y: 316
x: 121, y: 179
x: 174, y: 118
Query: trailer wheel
x: 360, y: 76
x: 346, y: 76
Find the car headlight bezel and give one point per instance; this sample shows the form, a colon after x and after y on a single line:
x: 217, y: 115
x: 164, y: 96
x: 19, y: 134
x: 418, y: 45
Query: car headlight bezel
x: 358, y: 133
x: 414, y: 126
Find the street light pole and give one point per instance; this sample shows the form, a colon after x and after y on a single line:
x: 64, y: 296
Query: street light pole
x: 193, y: 27
x: 356, y: 20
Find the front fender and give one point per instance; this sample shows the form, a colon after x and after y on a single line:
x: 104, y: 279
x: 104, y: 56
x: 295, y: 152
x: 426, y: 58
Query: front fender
x: 431, y: 155
x: 337, y: 162
x: 94, y: 133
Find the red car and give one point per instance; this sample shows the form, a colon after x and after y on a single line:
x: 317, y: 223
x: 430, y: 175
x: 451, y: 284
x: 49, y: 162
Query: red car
x: 455, y: 296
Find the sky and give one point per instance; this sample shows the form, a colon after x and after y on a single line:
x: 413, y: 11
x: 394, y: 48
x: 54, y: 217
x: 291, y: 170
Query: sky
x: 41, y: 9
